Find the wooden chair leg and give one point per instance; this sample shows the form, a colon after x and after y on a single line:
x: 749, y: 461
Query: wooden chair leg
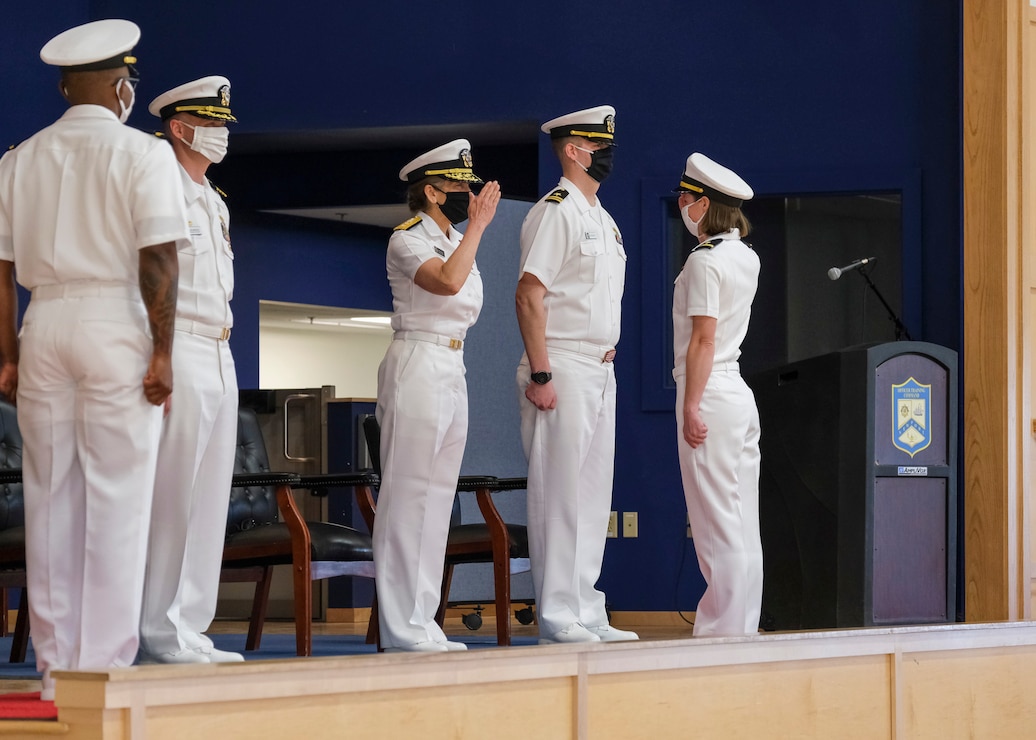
x: 501, y: 544
x: 3, y: 613
x: 20, y: 643
x: 444, y: 595
x: 301, y: 569
x: 259, y: 604
x: 373, y: 625
x: 502, y: 582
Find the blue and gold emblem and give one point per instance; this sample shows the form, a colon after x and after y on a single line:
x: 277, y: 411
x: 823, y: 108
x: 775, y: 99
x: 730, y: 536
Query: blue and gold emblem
x: 911, y: 416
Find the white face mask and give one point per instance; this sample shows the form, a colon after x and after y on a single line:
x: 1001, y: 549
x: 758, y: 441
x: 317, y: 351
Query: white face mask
x: 691, y: 224
x: 124, y: 110
x: 210, y: 142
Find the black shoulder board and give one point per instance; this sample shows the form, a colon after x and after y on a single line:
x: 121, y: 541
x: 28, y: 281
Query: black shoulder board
x: 219, y: 190
x: 707, y: 245
x: 557, y: 196
x: 748, y: 244
x: 407, y: 225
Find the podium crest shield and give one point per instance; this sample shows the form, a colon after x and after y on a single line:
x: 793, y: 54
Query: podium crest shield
x: 911, y: 416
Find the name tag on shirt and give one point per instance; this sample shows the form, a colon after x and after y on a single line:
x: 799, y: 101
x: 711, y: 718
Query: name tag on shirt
x: 440, y: 252
x: 589, y: 236
x: 195, y: 230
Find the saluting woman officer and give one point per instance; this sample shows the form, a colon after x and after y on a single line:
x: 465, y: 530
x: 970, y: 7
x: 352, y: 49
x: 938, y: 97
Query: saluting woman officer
x: 716, y: 416
x: 422, y: 394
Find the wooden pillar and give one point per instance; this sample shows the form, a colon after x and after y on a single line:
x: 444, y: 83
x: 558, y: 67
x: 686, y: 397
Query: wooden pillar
x: 995, y: 394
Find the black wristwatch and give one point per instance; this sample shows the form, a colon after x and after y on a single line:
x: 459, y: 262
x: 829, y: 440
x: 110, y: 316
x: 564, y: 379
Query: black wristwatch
x: 541, y: 378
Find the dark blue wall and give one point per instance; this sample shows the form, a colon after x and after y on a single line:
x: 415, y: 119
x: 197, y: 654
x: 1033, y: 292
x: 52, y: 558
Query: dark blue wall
x: 799, y: 96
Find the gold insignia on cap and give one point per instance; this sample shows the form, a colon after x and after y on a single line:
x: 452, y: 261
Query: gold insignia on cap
x: 224, y: 95
x: 609, y: 123
x: 465, y: 157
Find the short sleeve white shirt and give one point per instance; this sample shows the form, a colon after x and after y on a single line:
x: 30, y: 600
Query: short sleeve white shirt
x: 206, y: 260
x: 575, y: 249
x: 415, y: 309
x: 719, y: 282
x: 81, y: 197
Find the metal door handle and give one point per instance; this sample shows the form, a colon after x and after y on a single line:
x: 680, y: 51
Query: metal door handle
x: 288, y: 400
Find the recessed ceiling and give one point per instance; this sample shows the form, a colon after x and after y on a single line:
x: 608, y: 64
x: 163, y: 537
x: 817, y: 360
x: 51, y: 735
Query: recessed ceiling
x: 305, y: 317
x: 387, y: 215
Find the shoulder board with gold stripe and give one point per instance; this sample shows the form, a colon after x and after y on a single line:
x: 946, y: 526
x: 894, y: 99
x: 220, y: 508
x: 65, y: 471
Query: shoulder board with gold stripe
x: 708, y: 245
x: 219, y: 190
x: 407, y: 225
x: 557, y: 196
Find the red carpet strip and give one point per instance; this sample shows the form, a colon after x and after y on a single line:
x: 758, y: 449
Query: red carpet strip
x: 26, y: 706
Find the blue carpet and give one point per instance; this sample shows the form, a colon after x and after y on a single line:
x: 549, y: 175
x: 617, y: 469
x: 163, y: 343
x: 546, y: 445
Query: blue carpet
x: 271, y: 647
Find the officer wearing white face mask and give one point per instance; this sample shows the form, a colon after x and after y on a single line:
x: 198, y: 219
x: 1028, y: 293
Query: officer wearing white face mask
x: 569, y: 304
x: 422, y: 393
x: 716, y: 416
x: 91, y: 213
x: 199, y: 436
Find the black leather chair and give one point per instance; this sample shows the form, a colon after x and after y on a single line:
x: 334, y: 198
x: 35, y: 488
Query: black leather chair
x: 492, y: 541
x: 12, y: 530
x: 265, y: 529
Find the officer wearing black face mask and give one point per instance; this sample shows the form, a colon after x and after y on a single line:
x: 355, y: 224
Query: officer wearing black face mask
x: 437, y: 296
x: 573, y: 270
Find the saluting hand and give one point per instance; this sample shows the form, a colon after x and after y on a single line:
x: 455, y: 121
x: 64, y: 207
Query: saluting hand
x: 482, y: 207
x: 694, y: 429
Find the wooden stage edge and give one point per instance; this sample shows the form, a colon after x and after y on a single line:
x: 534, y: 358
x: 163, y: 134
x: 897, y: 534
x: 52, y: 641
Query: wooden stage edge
x: 903, y: 682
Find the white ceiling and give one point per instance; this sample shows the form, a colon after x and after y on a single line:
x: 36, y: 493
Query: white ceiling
x: 389, y: 215
x: 304, y: 317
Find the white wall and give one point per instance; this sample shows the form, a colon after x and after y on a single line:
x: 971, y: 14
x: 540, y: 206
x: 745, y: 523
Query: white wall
x: 310, y: 358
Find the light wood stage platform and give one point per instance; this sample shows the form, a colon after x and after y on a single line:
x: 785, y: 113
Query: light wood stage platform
x: 946, y: 681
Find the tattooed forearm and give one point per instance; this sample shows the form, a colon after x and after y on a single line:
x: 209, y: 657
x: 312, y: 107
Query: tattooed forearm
x: 159, y: 273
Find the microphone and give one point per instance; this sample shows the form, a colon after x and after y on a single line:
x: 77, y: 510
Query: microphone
x: 836, y: 272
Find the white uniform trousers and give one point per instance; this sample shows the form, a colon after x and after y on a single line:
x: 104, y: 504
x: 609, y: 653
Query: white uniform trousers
x: 721, y: 485
x: 192, y: 493
x: 571, y: 451
x: 91, y: 442
x: 423, y: 412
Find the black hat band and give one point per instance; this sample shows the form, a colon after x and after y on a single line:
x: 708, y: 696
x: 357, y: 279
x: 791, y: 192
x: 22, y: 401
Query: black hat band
x: 455, y: 169
x: 119, y: 60
x: 202, y: 107
x: 688, y: 184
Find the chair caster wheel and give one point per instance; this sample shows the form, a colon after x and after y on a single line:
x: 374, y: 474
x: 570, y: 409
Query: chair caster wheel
x: 474, y: 620
x: 524, y: 616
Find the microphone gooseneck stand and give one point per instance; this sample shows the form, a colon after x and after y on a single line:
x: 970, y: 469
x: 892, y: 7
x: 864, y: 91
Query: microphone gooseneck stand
x: 901, y: 330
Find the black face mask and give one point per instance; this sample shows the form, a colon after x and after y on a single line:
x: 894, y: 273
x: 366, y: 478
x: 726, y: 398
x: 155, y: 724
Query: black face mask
x: 601, y: 163
x: 455, y: 209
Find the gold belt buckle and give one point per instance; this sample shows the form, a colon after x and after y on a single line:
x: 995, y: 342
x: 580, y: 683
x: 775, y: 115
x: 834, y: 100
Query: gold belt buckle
x: 456, y: 343
x: 224, y: 335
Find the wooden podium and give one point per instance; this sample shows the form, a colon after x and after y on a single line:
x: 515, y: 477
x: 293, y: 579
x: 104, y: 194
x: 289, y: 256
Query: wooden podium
x: 858, y: 491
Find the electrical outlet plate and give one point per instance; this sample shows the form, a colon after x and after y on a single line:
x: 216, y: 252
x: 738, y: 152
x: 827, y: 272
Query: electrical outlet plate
x: 613, y: 524
x: 629, y: 524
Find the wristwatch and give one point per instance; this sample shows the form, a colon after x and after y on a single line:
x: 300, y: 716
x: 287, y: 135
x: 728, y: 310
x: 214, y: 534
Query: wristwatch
x: 541, y: 378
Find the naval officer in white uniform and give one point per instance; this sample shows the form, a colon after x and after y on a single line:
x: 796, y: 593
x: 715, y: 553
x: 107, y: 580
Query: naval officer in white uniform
x: 716, y: 416
x: 199, y: 435
x: 569, y: 301
x: 422, y: 393
x: 91, y: 213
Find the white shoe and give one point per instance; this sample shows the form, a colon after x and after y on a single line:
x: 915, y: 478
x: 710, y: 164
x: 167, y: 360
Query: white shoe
x: 181, y: 657
x: 607, y: 633
x: 47, y: 687
x: 451, y: 645
x: 574, y: 632
x: 423, y: 647
x: 215, y: 655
